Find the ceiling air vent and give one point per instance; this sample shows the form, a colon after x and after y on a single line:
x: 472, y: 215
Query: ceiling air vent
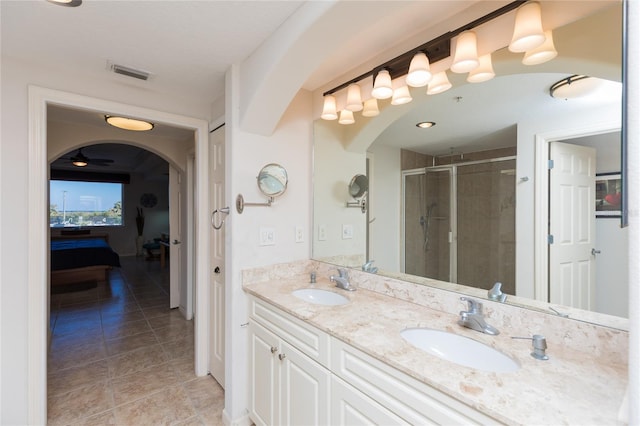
x: 130, y: 72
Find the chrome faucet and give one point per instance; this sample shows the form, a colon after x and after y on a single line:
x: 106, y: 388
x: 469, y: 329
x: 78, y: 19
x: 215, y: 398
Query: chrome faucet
x: 496, y: 293
x: 342, y: 280
x: 474, y: 319
x: 368, y: 267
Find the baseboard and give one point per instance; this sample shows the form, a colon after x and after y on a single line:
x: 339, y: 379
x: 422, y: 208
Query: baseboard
x: 241, y: 421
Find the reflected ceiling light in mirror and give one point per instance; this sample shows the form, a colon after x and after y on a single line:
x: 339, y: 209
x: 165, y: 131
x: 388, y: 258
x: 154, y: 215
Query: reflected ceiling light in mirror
x: 419, y: 71
x: 466, y: 55
x: 439, y: 83
x: 128, y: 123
x: 484, y: 72
x: 354, y: 98
x: 329, y: 111
x: 527, y: 32
x: 370, y: 108
x: 346, y: 117
x: 574, y: 86
x: 401, y: 96
x: 67, y: 3
x: 382, y: 88
x: 425, y: 124
x: 543, y: 53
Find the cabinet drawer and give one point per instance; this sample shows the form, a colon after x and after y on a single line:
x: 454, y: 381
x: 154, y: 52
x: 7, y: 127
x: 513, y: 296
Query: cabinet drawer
x: 306, y: 338
x: 408, y: 398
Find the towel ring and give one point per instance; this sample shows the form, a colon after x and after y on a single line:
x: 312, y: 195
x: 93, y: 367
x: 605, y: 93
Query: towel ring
x: 224, y: 210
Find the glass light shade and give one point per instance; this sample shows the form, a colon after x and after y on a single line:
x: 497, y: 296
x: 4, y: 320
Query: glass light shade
x: 575, y: 86
x: 382, y: 87
x: 79, y: 163
x: 527, y: 32
x: 419, y: 73
x: 354, y: 98
x: 346, y: 117
x: 484, y: 72
x: 466, y: 56
x: 329, y: 108
x: 543, y: 53
x: 128, y: 123
x: 370, y: 108
x: 401, y: 96
x: 438, y: 84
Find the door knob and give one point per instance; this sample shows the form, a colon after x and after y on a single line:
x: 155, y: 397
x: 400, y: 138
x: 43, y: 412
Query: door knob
x: 177, y: 242
x: 594, y: 252
x: 216, y: 270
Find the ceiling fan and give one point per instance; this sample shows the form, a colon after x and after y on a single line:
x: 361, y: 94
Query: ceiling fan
x: 81, y: 160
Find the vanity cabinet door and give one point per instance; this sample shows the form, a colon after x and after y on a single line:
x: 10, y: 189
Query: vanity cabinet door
x: 263, y: 375
x: 350, y: 407
x: 304, y: 389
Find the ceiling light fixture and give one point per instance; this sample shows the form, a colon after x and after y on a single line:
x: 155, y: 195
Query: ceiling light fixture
x: 346, y: 117
x: 425, y: 124
x: 128, y: 123
x: 414, y: 66
x: 573, y: 87
x: 401, y: 96
x: 67, y: 3
x: 543, y: 53
x: 370, y: 108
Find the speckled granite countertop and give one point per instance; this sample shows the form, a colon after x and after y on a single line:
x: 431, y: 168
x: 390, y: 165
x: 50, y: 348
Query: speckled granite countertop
x: 572, y: 387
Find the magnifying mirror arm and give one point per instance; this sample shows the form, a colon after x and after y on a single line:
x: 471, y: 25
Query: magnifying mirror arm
x: 361, y: 204
x: 240, y: 203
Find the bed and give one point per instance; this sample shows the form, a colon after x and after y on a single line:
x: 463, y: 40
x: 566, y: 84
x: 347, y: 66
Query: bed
x: 81, y: 258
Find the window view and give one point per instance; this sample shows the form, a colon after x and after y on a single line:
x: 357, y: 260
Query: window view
x: 75, y: 203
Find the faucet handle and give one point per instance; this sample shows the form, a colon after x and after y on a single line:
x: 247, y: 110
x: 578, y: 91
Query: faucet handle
x: 343, y: 273
x: 475, y: 307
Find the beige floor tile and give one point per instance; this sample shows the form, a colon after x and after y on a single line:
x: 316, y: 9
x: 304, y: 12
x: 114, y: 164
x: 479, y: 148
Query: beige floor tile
x: 184, y: 368
x: 80, y: 403
x: 167, y: 407
x: 193, y: 421
x: 130, y: 343
x: 175, y: 331
x: 76, y: 356
x: 136, y: 361
x: 107, y: 418
x: 205, y: 394
x: 112, y: 317
x: 115, y: 330
x: 143, y: 383
x: 166, y: 320
x: 156, y: 311
x: 62, y: 381
x: 182, y: 348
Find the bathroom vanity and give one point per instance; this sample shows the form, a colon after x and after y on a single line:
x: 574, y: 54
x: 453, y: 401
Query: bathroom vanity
x: 346, y: 363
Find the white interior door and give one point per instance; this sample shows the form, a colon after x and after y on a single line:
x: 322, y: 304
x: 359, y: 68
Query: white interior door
x: 217, y: 241
x: 572, y: 225
x: 175, y: 235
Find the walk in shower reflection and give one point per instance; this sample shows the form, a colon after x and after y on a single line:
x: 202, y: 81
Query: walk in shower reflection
x: 459, y: 223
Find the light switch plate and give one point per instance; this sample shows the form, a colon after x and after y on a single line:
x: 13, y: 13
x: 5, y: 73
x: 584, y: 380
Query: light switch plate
x: 347, y: 232
x: 299, y: 234
x: 267, y: 236
x: 322, y: 232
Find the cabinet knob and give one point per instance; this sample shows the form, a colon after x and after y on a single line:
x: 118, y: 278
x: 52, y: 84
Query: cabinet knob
x: 282, y: 356
x: 274, y: 349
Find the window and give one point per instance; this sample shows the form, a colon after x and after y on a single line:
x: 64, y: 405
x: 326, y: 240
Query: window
x: 78, y: 203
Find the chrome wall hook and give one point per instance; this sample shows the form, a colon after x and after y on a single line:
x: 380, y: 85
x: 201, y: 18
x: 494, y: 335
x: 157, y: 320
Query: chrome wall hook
x: 225, y: 211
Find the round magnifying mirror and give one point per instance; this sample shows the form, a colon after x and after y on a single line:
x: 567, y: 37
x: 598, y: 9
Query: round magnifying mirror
x: 272, y: 180
x: 358, y: 186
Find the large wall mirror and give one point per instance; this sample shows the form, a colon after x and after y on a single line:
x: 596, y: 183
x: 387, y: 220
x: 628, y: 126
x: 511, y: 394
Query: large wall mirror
x: 471, y: 201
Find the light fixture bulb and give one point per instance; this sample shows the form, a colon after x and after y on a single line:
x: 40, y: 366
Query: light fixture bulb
x: 574, y: 86
x: 527, y: 32
x: 543, y: 53
x: 484, y: 72
x: 346, y: 117
x: 425, y: 124
x: 128, y: 123
x: 79, y: 163
x: 401, y: 96
x: 354, y: 98
x: 438, y: 84
x: 68, y: 3
x: 370, y: 108
x: 419, y: 71
x: 466, y: 56
x: 329, y: 108
x: 382, y: 88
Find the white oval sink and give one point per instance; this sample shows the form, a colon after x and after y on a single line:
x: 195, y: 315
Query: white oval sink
x: 460, y: 350
x: 320, y: 297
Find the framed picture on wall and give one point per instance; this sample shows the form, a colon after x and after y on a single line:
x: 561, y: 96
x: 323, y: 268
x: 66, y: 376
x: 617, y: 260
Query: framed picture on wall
x: 608, y: 195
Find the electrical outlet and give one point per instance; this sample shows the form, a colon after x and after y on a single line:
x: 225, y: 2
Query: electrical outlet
x: 322, y: 232
x: 299, y: 234
x: 267, y: 236
x: 347, y: 232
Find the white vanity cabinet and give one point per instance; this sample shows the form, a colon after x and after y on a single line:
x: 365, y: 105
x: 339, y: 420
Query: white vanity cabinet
x: 300, y: 375
x: 288, y: 384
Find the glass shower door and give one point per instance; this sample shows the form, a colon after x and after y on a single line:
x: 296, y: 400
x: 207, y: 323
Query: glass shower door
x: 427, y: 224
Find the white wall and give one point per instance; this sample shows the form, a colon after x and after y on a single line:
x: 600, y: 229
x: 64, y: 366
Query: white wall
x: 14, y: 226
x: 246, y: 154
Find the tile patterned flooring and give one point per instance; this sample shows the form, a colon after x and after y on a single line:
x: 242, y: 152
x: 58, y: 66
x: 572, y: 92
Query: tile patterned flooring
x: 120, y: 356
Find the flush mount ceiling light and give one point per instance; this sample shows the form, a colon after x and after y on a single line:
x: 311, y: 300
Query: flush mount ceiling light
x: 573, y: 87
x: 68, y: 3
x: 128, y: 123
x: 425, y: 124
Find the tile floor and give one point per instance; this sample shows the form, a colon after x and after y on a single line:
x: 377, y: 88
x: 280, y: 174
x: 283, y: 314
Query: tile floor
x: 119, y: 356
